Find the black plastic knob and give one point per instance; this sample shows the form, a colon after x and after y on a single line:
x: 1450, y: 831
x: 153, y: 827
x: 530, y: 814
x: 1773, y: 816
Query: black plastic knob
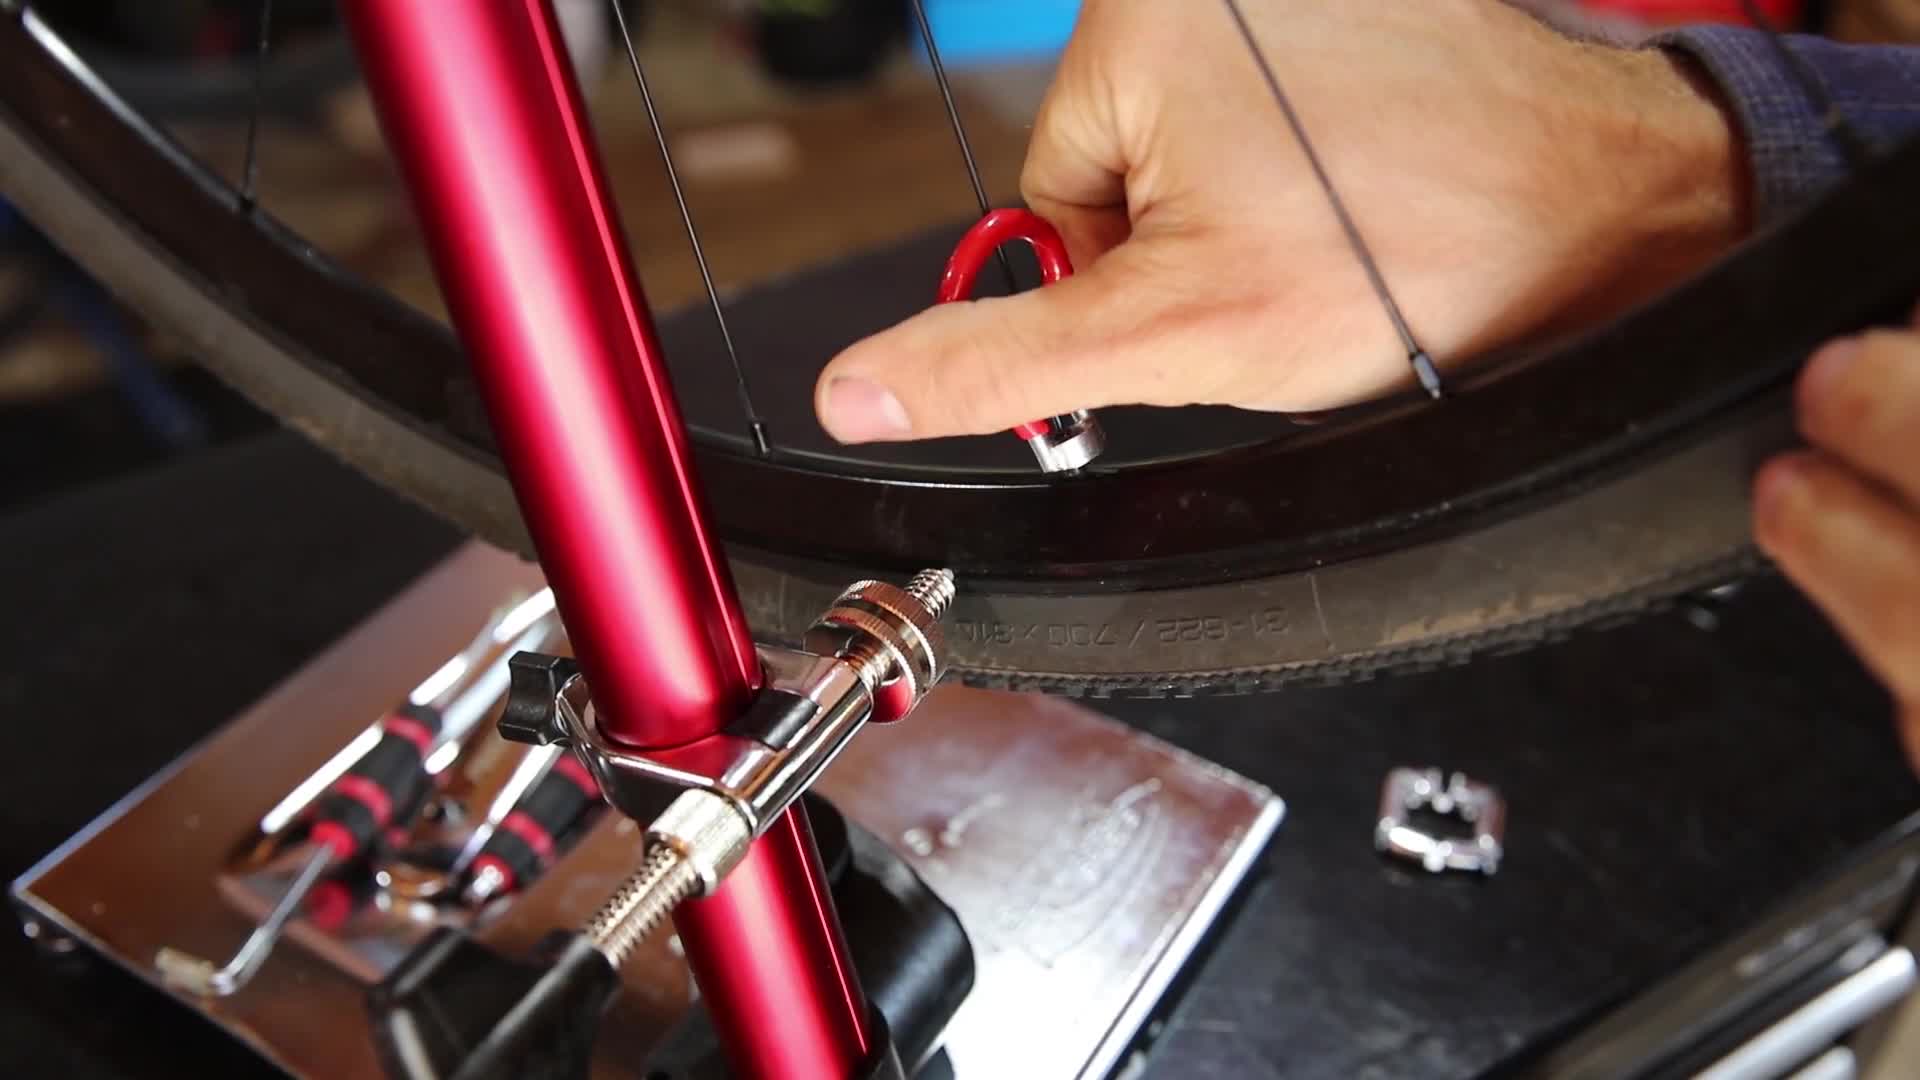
x: 530, y: 715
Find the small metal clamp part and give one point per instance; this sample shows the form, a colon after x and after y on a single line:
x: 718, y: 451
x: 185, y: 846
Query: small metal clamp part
x: 1408, y: 790
x: 877, y: 650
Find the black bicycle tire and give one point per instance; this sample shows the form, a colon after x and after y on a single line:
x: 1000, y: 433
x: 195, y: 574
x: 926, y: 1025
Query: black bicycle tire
x: 1618, y: 537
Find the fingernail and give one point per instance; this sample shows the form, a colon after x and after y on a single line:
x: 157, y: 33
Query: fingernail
x: 860, y: 411
x: 1828, y: 366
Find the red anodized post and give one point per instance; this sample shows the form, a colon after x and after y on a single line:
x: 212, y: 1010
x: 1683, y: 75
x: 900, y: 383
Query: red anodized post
x: 482, y: 109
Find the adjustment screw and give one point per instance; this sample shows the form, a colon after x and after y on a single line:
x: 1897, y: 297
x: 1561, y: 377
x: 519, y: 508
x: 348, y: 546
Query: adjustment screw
x: 891, y: 636
x: 934, y: 589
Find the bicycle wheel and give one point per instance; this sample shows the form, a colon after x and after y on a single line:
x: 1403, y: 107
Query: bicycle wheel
x: 1605, y: 474
x: 194, y: 61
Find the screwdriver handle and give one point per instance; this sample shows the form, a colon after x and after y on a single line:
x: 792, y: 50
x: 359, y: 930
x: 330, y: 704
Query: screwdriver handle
x: 530, y: 836
x: 383, y: 789
x: 336, y: 900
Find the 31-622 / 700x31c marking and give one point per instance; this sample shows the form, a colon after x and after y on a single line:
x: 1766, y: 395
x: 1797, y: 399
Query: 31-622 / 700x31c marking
x: 1264, y: 623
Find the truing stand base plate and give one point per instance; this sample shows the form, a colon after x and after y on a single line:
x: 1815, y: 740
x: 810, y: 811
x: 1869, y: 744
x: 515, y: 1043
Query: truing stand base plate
x: 1086, y: 860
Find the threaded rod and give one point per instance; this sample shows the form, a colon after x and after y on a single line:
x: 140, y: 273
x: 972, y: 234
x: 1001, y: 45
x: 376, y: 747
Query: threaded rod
x: 933, y: 588
x: 872, y: 662
x: 667, y: 878
x: 642, y: 903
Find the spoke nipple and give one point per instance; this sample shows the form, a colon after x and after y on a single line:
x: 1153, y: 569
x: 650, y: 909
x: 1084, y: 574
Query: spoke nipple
x: 1429, y: 374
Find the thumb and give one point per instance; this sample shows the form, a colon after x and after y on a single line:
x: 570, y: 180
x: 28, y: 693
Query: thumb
x: 980, y: 366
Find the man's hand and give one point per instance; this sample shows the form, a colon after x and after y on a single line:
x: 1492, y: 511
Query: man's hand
x: 1510, y: 180
x: 1843, y: 519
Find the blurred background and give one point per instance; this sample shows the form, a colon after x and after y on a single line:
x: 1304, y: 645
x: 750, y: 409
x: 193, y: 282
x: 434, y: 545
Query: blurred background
x: 805, y: 131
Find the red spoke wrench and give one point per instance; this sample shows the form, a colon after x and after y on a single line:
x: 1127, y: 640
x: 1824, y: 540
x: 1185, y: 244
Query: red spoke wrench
x: 1060, y: 443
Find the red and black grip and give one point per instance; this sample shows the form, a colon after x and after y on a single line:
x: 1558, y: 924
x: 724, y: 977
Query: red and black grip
x: 334, y: 901
x: 382, y: 790
x: 545, y: 820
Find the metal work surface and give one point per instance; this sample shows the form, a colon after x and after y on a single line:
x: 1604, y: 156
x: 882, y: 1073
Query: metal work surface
x: 1085, y: 859
x: 1665, y: 784
x: 1081, y: 862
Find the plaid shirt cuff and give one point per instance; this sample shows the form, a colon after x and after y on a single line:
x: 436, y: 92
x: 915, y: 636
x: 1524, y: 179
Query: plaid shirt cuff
x: 1793, y: 158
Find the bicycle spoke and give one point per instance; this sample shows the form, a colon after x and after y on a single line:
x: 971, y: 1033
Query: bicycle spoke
x: 960, y: 131
x: 250, y: 164
x: 1846, y: 138
x: 761, y: 443
x: 1417, y: 357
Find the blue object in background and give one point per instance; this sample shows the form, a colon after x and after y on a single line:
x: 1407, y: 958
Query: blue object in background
x: 971, y: 32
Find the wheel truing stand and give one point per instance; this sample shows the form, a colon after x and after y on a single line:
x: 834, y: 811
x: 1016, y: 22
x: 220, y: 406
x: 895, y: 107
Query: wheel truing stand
x: 1021, y: 878
x: 879, y: 649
